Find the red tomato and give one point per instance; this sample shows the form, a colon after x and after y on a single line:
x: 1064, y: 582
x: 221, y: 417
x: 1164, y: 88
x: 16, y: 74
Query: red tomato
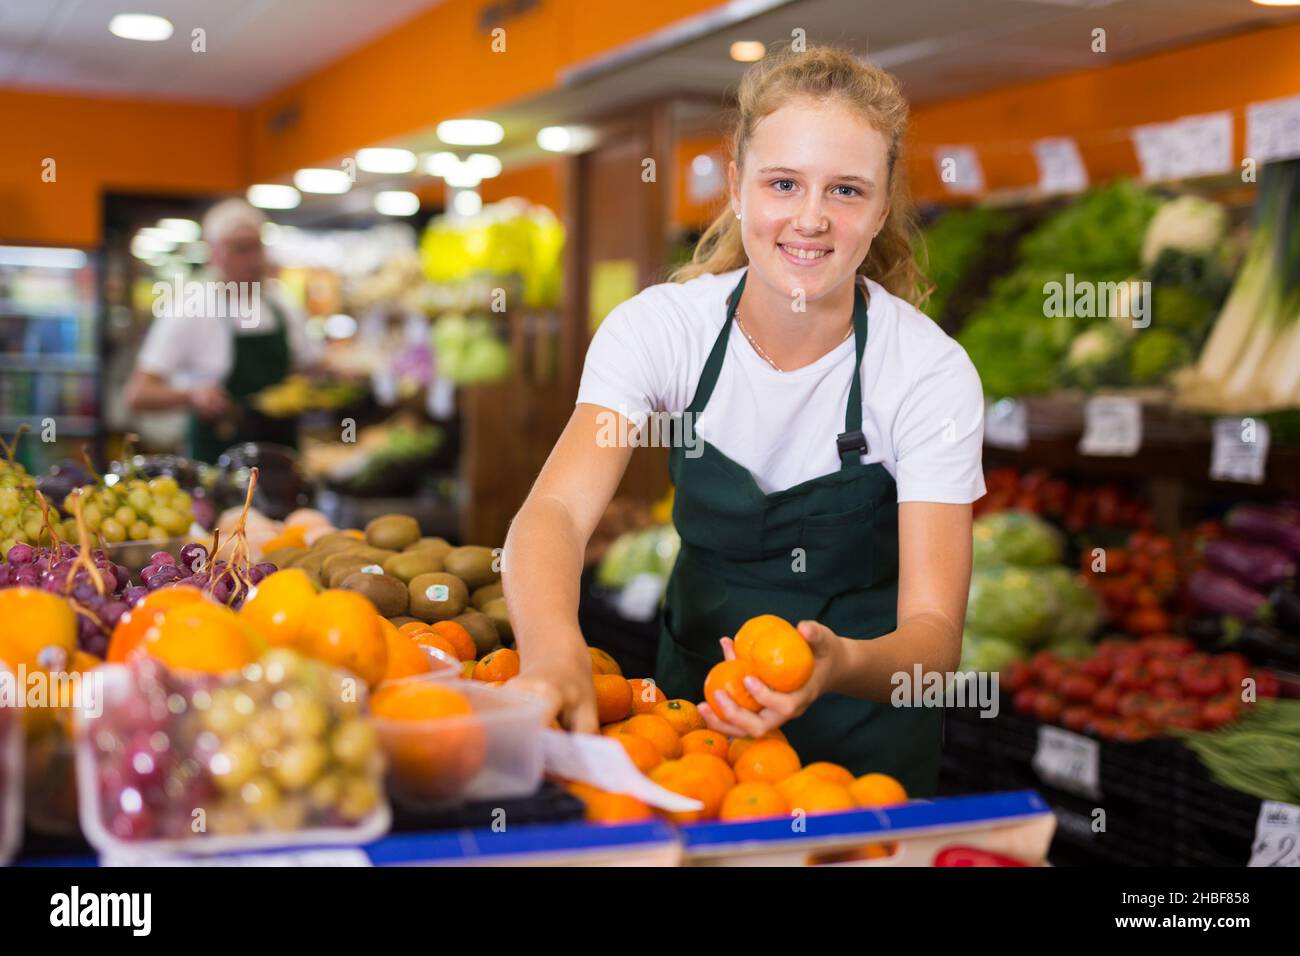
x: 1048, y: 708
x: 1219, y: 711
x: 1098, y: 668
x: 1076, y: 718
x: 1025, y: 701
x: 1107, y: 700
x: 1134, y: 704
x: 1186, y: 716
x: 1233, y: 666
x: 1199, y: 676
x: 1078, y: 688
x: 1016, y: 677
x: 1266, y: 685
x: 1132, y: 677
x: 1133, y: 730
x: 1167, y: 690
x: 1163, y: 668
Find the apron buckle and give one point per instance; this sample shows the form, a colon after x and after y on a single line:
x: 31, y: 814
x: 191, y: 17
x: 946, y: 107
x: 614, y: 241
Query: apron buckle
x: 853, y: 441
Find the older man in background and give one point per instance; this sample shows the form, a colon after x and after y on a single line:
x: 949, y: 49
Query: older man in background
x: 213, y: 363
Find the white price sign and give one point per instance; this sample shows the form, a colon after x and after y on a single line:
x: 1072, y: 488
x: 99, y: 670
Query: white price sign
x: 1112, y: 426
x: 1240, y: 450
x: 639, y: 599
x: 1273, y: 130
x: 1187, y: 147
x: 1068, y: 761
x: 1060, y: 165
x: 960, y: 169
x: 1006, y: 425
x: 1277, y: 835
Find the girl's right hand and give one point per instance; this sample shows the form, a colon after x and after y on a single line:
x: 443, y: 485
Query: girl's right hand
x: 564, y: 684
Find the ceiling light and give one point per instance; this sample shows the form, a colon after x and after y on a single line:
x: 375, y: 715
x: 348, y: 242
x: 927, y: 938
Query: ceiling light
x: 270, y: 233
x: 470, y: 132
x: 377, y: 160
x: 702, y: 165
x: 145, y: 247
x: 271, y: 196
x: 397, y: 202
x: 1277, y: 3
x: 554, y: 139
x: 748, y: 51
x: 485, y: 165
x: 464, y: 176
x: 467, y: 203
x: 140, y: 26
x: 440, y: 164
x: 157, y: 238
x: 180, y: 230
x: 330, y: 181
x: 196, y: 253
x: 41, y: 258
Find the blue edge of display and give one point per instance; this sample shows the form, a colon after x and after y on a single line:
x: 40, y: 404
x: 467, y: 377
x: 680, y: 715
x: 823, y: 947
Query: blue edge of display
x: 469, y: 846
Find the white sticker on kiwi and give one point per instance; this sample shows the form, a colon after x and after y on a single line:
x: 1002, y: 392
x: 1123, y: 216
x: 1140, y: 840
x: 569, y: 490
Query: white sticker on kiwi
x: 372, y: 569
x: 437, y: 592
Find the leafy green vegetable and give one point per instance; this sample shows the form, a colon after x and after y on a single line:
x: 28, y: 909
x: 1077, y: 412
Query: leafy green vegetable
x: 958, y: 240
x: 1157, y: 353
x: 1015, y: 604
x: 1015, y: 537
x: 980, y: 652
x: 1096, y: 356
x: 1078, y: 612
x: 1187, y: 224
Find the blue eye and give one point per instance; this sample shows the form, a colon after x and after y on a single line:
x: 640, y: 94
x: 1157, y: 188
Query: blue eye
x: 778, y: 183
x: 851, y: 189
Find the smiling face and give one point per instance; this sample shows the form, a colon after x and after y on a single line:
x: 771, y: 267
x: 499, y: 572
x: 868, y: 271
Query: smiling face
x: 812, y: 194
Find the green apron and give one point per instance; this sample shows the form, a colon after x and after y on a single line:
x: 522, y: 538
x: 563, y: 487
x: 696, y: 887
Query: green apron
x: 824, y: 550
x: 259, y: 361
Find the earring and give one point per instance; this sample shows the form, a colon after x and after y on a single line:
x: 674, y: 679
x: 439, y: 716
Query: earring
x: 737, y: 215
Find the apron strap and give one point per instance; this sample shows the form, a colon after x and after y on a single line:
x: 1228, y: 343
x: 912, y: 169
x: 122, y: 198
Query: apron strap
x: 851, y: 443
x: 713, y: 365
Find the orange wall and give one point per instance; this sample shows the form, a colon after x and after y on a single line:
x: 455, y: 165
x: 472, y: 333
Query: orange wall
x: 103, y: 144
x: 540, y: 183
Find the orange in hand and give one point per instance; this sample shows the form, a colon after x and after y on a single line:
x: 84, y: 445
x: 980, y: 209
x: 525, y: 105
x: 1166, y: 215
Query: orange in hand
x: 729, y: 676
x: 780, y: 656
x: 613, y: 697
x: 682, y: 715
x: 752, y: 629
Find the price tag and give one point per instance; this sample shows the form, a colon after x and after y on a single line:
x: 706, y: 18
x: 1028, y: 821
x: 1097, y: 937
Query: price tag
x: 1068, y: 761
x: 440, y: 399
x: 1060, y: 165
x: 639, y: 599
x: 1277, y: 835
x: 1240, y: 450
x: 959, y: 169
x: 1112, y: 426
x: 1006, y: 424
x: 1273, y: 130
x: 1187, y: 147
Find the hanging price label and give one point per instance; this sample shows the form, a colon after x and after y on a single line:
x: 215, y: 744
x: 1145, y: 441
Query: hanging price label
x: 1187, y: 147
x: 1060, y: 165
x: 1112, y: 426
x: 1068, y: 761
x: 639, y: 599
x: 1277, y: 835
x: 1240, y: 450
x: 1006, y: 425
x: 1273, y: 130
x: 959, y: 169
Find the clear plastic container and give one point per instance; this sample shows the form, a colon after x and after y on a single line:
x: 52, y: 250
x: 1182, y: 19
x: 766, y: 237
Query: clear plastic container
x: 496, y: 753
x: 264, y: 759
x: 11, y: 778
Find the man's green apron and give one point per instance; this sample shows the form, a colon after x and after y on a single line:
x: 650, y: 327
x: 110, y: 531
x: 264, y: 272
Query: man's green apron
x: 824, y: 550
x: 259, y: 360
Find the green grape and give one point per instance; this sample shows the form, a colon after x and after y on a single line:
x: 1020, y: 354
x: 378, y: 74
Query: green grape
x: 135, y: 484
x: 138, y: 530
x: 93, y: 516
x: 171, y: 520
x: 140, y: 500
x: 182, y: 502
x: 7, y: 543
x: 68, y: 530
x: 32, y: 528
x: 8, y: 525
x: 10, y: 500
x: 157, y: 534
x: 125, y: 515
x: 164, y: 486
x: 112, y: 530
x: 106, y: 500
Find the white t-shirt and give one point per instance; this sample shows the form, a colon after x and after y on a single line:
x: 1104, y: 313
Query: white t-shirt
x: 190, y: 350
x: 922, y: 402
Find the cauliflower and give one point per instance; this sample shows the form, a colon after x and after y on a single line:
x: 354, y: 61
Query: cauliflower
x: 1188, y: 223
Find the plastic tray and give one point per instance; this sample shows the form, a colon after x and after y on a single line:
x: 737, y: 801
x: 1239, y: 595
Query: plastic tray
x: 11, y: 778
x: 120, y: 694
x: 494, y: 754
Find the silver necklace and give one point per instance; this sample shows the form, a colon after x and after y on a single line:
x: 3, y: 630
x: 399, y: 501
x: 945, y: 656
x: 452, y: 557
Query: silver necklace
x: 759, y: 349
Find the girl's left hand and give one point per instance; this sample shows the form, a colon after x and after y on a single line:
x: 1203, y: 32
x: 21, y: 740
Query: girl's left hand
x: 777, y: 708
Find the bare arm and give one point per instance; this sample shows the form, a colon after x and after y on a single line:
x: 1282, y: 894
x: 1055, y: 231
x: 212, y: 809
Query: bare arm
x: 147, y: 392
x: 542, y: 563
x: 934, y: 558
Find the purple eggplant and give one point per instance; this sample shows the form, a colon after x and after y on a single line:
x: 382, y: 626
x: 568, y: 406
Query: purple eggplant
x: 1276, y: 526
x: 1256, y: 565
x: 1220, y: 594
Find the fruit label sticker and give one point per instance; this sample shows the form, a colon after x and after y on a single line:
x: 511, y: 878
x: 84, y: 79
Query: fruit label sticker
x: 1277, y: 835
x: 1112, y: 426
x: 437, y: 592
x: 1068, y: 761
x: 1240, y: 450
x: 1273, y: 130
x: 1006, y: 424
x: 372, y: 569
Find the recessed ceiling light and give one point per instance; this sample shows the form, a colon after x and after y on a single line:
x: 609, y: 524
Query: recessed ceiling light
x: 180, y: 230
x: 467, y: 203
x: 554, y: 139
x: 748, y: 51
x: 464, y: 176
x: 140, y: 26
x: 397, y: 202
x: 440, y: 164
x: 1277, y: 3
x: 470, y: 132
x: 377, y: 160
x: 484, y: 164
x: 42, y: 258
x: 330, y: 181
x: 272, y: 196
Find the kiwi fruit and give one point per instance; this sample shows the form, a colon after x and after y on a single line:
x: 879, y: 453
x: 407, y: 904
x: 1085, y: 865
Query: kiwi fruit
x: 334, y: 541
x: 393, y: 532
x: 481, y: 628
x: 281, y: 557
x: 388, y: 595
x: 439, y: 546
x: 488, y: 592
x: 339, y: 571
x: 437, y: 596
x: 472, y: 564
x: 361, y: 552
x: 311, y: 563
x: 411, y: 564
x: 496, y: 611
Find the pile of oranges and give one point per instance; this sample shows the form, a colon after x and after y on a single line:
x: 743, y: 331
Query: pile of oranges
x: 735, y: 779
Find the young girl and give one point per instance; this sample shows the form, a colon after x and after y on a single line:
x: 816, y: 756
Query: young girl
x: 837, y: 438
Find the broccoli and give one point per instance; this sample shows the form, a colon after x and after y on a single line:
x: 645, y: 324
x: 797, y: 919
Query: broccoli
x: 1156, y: 353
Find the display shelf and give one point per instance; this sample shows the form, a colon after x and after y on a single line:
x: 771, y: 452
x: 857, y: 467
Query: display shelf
x: 76, y: 425
x: 58, y: 362
x: 1176, y: 445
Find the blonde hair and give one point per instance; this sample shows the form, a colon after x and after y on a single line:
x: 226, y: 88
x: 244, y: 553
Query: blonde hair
x: 824, y: 72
